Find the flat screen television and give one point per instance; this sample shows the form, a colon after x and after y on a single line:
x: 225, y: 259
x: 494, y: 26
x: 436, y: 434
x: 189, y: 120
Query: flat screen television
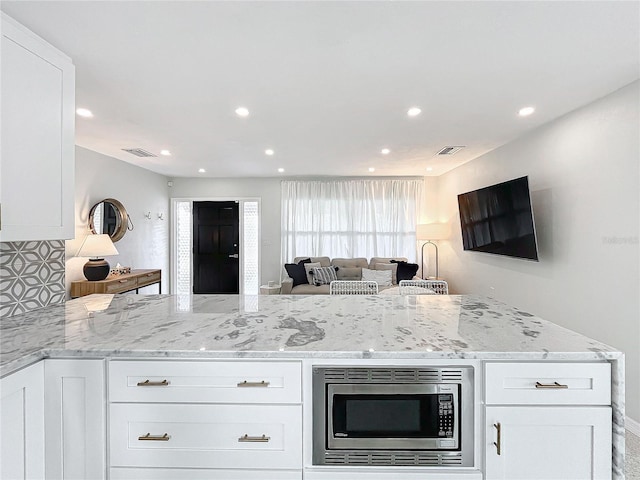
x: 498, y: 219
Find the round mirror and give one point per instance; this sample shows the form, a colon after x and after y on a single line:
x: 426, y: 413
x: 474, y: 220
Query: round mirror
x: 109, y: 216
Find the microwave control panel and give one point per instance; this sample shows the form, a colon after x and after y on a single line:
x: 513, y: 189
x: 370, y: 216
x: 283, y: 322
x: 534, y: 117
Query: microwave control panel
x: 445, y: 415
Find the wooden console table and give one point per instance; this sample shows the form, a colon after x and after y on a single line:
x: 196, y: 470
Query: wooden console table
x: 118, y: 283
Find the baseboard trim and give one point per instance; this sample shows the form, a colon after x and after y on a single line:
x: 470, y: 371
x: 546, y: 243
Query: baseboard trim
x: 631, y: 425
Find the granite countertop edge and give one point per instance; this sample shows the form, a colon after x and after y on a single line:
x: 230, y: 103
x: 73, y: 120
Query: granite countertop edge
x: 34, y: 357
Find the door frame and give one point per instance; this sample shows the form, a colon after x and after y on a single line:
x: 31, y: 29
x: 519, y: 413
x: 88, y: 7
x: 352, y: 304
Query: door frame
x: 173, y: 257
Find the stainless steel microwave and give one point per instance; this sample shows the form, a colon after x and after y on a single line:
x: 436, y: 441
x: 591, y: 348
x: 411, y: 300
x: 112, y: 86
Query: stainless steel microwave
x: 393, y: 416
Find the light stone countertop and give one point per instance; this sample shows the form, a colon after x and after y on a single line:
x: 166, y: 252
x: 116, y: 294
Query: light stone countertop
x: 289, y: 326
x: 296, y: 326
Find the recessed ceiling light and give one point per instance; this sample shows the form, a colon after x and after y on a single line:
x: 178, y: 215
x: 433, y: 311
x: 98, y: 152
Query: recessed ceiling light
x: 429, y: 169
x: 269, y: 152
x: 166, y: 153
x: 371, y: 169
x: 385, y: 151
x: 84, y: 112
x: 414, y: 111
x: 281, y: 170
x: 201, y: 170
x: 242, y: 112
x: 523, y: 112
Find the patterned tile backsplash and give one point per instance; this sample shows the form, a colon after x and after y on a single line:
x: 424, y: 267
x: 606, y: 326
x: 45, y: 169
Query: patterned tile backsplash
x: 31, y: 276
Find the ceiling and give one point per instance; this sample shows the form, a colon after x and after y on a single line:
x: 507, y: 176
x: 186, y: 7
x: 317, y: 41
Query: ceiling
x: 328, y: 84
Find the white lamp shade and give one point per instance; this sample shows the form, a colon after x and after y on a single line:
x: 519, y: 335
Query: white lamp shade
x: 432, y: 231
x: 97, y: 246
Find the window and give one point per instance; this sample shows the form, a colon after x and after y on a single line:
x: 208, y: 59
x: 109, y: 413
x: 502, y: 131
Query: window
x: 350, y: 218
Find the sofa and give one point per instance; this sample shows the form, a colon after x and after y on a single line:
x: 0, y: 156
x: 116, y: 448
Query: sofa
x: 348, y: 269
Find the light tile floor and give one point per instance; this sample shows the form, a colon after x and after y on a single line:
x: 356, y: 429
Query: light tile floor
x: 632, y: 460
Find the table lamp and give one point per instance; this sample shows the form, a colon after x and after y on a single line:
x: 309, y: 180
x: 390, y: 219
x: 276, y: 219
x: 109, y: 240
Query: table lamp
x: 96, y: 247
x: 430, y: 232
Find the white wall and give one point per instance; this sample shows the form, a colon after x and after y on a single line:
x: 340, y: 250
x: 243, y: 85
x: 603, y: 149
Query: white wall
x: 140, y: 191
x: 583, y: 172
x: 266, y: 189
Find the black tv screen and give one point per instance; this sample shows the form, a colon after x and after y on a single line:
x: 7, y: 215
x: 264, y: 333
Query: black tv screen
x: 498, y: 219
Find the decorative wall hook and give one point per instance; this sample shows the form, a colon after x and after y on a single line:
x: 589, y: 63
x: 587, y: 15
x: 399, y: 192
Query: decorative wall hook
x: 147, y: 215
x: 161, y: 216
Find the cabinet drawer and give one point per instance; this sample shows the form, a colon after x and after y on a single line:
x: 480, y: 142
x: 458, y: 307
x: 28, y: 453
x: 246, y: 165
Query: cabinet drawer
x: 120, y: 285
x: 548, y: 383
x: 206, y: 436
x: 148, y: 278
x: 204, y: 382
x: 119, y: 473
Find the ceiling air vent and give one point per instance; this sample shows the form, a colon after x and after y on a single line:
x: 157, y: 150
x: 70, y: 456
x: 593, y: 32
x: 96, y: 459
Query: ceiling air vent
x: 448, y: 150
x: 138, y: 152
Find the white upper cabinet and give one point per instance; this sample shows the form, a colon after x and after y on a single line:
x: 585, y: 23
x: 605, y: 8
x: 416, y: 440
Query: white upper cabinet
x: 37, y: 137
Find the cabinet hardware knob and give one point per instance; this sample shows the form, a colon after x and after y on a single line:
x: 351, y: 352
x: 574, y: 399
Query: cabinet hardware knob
x: 155, y: 438
x: 550, y: 385
x: 149, y: 383
x: 247, y: 438
x: 253, y: 384
x: 497, y: 444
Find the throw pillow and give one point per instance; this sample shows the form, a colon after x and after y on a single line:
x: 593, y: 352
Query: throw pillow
x: 308, y: 268
x: 406, y: 271
x: 296, y: 271
x: 350, y: 273
x: 324, y: 275
x: 381, y: 277
x: 388, y: 266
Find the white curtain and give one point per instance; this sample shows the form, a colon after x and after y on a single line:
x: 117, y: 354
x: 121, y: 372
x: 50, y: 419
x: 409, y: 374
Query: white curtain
x: 350, y: 218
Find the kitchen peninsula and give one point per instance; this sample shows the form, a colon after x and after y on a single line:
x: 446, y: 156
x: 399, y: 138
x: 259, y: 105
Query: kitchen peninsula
x: 195, y: 364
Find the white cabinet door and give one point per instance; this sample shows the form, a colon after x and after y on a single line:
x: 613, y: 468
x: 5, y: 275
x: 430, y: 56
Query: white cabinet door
x: 22, y: 424
x: 540, y: 443
x: 37, y: 101
x: 75, y: 419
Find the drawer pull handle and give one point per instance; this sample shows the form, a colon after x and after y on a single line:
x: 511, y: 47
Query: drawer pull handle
x: 155, y: 438
x: 550, y: 385
x: 149, y: 383
x: 123, y: 281
x: 150, y: 274
x: 497, y: 444
x: 247, y: 438
x: 253, y: 384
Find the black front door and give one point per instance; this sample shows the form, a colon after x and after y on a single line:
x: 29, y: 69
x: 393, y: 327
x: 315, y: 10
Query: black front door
x: 215, y: 247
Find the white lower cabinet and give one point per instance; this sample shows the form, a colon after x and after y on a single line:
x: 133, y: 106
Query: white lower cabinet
x: 22, y: 424
x: 218, y: 420
x: 75, y: 419
x: 540, y: 443
x: 548, y: 421
x: 226, y: 420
